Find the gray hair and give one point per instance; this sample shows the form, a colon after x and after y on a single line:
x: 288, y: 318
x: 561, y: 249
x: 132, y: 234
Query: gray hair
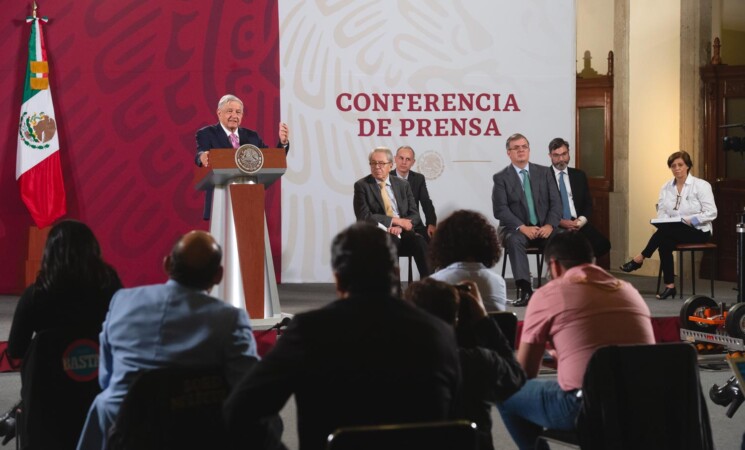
x: 385, y: 150
x: 515, y: 137
x: 228, y: 98
x: 406, y: 147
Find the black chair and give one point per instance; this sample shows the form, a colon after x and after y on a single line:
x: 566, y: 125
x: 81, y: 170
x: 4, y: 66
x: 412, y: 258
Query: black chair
x: 452, y: 435
x: 692, y: 249
x: 507, y: 322
x: 537, y: 251
x: 59, y: 380
x: 410, y: 258
x: 642, y: 396
x: 172, y: 408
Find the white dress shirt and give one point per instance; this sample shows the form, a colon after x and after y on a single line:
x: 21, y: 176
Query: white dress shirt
x: 695, y: 203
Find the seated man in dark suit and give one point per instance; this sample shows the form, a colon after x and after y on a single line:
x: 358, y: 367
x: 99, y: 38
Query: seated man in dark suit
x: 367, y: 358
x: 389, y: 202
x: 405, y: 158
x: 526, y: 202
x: 575, y: 196
x: 229, y: 133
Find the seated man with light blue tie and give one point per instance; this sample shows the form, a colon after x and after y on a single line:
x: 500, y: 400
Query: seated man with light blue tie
x: 576, y: 200
x: 526, y: 202
x: 389, y: 202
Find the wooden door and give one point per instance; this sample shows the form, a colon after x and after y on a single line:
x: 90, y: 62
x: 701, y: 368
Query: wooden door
x: 724, y: 104
x: 594, y: 144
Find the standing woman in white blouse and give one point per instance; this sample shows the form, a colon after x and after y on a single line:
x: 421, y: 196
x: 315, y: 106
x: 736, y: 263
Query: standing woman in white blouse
x: 689, y: 198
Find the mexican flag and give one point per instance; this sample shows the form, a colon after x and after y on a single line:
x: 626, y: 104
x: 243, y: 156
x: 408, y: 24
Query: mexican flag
x: 38, y: 168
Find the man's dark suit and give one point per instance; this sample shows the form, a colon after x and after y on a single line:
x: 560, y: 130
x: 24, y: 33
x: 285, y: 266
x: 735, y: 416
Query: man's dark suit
x: 421, y: 196
x: 214, y: 136
x: 368, y: 205
x: 358, y: 361
x: 583, y: 206
x: 511, y: 209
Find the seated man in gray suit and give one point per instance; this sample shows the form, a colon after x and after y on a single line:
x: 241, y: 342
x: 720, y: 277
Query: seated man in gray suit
x: 405, y: 158
x: 526, y: 202
x: 389, y: 202
x: 165, y: 325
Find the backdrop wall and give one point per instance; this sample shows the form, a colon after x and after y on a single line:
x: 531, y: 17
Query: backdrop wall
x: 359, y: 75
x: 132, y: 82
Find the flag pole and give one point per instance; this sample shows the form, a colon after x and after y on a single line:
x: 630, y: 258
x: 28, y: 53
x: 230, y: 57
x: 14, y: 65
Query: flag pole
x: 33, y: 12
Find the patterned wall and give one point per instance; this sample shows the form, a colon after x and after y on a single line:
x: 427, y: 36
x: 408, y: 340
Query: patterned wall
x: 132, y: 82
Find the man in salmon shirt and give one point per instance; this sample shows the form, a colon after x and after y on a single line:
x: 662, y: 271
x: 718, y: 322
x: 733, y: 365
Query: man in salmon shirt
x: 582, y: 309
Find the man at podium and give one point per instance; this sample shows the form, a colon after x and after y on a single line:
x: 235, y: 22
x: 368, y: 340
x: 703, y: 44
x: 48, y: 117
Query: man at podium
x: 228, y: 133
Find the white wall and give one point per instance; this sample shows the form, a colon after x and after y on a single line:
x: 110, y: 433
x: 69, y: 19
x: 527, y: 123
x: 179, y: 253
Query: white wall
x: 594, y: 33
x: 654, y: 109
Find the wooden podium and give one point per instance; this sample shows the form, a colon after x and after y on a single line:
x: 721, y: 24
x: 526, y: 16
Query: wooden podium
x: 239, y: 224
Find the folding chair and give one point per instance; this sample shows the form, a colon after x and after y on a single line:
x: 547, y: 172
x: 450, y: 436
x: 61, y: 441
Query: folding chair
x: 172, y: 408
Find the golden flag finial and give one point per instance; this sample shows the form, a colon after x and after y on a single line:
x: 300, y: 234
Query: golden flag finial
x: 33, y: 13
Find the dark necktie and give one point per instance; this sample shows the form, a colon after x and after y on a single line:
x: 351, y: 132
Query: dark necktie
x: 567, y: 212
x: 529, y: 197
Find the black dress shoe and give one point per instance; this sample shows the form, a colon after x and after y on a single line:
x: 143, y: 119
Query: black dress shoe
x: 8, y: 425
x: 631, y: 266
x: 668, y: 292
x: 525, y: 295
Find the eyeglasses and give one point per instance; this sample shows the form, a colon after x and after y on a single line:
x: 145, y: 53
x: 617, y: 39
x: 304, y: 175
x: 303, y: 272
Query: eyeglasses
x: 520, y: 147
x: 677, y: 203
x: 378, y: 163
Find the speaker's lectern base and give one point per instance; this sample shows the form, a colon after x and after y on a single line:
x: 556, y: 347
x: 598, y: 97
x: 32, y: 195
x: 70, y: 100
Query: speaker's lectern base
x: 243, y: 204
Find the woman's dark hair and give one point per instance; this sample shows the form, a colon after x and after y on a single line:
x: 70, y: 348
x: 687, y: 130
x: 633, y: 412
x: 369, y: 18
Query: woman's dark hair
x: 680, y: 155
x: 72, y: 260
x: 464, y: 236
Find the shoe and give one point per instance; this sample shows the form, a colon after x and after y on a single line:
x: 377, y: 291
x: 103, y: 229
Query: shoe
x: 8, y: 425
x: 525, y: 295
x: 668, y: 292
x: 631, y: 266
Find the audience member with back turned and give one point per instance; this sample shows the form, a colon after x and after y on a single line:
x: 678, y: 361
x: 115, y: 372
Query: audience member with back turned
x: 72, y: 290
x: 687, y: 198
x: 582, y: 309
x: 389, y: 202
x: 367, y: 358
x: 489, y: 368
x: 526, y: 202
x: 466, y: 247
x: 172, y: 324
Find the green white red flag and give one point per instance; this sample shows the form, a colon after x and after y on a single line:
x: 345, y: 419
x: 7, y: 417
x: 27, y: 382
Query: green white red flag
x: 38, y: 167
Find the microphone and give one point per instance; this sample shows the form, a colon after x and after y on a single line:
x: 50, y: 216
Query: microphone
x: 278, y: 326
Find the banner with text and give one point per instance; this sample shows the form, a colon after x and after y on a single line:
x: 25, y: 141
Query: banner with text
x: 451, y: 79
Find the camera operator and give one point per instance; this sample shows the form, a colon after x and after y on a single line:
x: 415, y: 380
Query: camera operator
x: 490, y: 372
